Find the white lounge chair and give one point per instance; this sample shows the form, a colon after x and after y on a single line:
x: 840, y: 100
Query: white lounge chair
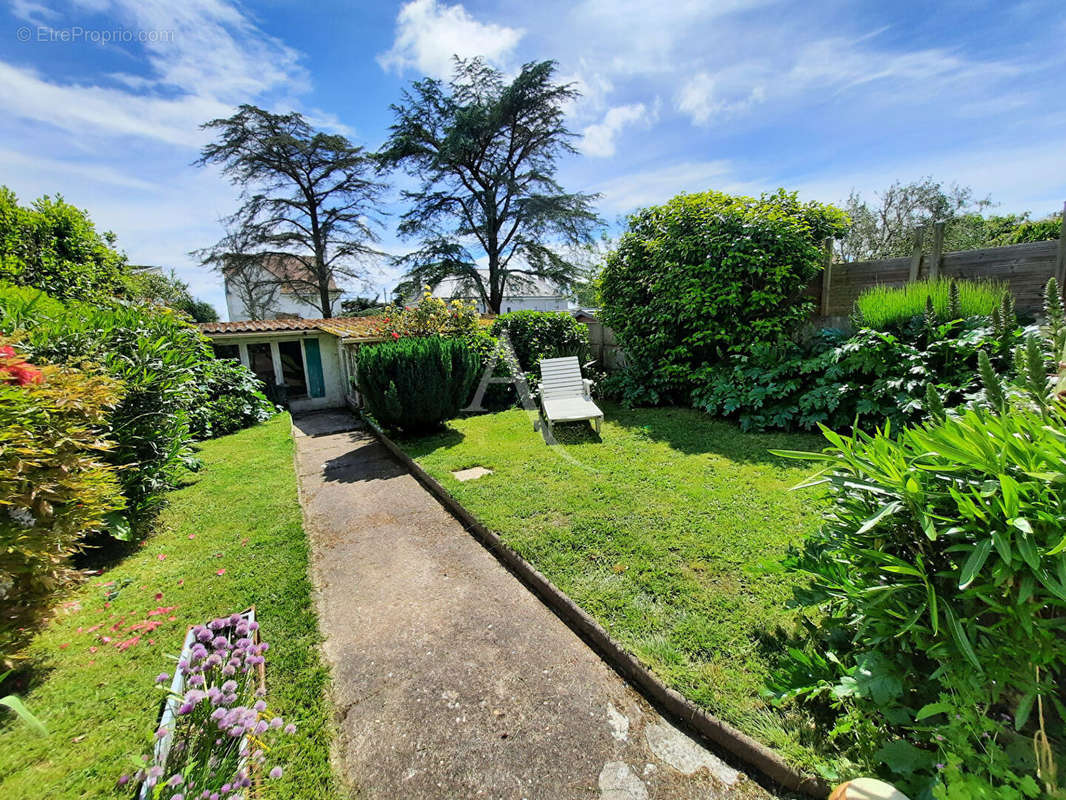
x: 564, y: 395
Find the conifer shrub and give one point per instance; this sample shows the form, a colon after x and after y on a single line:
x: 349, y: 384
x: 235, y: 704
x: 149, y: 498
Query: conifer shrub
x: 417, y: 383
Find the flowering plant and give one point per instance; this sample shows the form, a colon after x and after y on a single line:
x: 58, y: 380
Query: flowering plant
x: 431, y: 317
x: 14, y: 368
x: 217, y: 725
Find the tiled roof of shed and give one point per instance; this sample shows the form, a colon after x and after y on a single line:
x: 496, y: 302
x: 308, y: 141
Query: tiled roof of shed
x: 345, y: 327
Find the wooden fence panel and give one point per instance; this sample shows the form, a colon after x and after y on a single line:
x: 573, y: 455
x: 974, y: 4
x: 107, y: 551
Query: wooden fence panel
x: 1024, y: 267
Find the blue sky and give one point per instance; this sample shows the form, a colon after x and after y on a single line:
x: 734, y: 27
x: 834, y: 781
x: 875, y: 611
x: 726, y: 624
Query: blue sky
x: 678, y: 95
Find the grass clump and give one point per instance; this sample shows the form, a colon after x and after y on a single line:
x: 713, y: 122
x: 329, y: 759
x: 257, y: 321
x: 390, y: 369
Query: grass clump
x: 887, y: 308
x: 669, y: 532
x: 231, y: 537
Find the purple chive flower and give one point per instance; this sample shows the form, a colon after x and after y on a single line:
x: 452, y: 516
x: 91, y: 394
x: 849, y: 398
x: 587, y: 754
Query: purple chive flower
x: 260, y: 692
x: 253, y: 626
x: 261, y: 727
x: 155, y: 771
x: 275, y: 773
x: 123, y: 780
x: 225, y: 788
x: 290, y: 729
x: 229, y: 687
x: 259, y: 705
x: 159, y: 734
x: 177, y: 779
x: 186, y: 708
x: 276, y: 723
x: 203, y: 635
x: 162, y: 677
x: 178, y: 796
x: 940, y: 766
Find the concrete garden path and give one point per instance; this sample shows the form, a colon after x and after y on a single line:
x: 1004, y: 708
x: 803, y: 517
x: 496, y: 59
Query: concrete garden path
x: 450, y: 679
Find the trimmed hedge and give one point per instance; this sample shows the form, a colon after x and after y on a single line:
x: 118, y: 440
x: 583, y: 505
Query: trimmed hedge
x: 416, y: 383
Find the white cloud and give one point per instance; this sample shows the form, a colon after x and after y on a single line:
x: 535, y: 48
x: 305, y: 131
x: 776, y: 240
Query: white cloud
x: 211, y: 58
x: 428, y: 35
x: 634, y: 190
x: 598, y: 140
x: 698, y: 99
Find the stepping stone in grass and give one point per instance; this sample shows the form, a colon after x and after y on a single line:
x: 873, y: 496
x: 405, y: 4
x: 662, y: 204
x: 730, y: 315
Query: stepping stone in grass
x: 471, y: 474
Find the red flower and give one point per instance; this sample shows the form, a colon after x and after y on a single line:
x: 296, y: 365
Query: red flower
x: 7, y: 351
x: 395, y: 335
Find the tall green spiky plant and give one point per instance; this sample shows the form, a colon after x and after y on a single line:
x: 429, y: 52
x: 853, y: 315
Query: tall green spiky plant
x: 954, y: 301
x: 994, y: 394
x: 1031, y: 365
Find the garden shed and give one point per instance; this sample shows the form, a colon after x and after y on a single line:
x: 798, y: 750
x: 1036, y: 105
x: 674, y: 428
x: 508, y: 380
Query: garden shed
x: 307, y: 363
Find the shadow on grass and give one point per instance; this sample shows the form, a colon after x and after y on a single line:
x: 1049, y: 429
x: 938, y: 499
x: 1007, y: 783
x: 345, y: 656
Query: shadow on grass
x: 693, y: 432
x: 418, y: 446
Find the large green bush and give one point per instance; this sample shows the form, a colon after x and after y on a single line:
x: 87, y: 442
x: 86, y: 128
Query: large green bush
x: 416, y: 383
x: 159, y: 358
x: 939, y: 584
x: 706, y: 275
x: 56, y: 486
x: 54, y: 246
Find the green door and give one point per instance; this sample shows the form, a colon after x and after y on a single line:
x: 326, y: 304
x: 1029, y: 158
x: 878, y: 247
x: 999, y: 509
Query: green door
x: 316, y: 386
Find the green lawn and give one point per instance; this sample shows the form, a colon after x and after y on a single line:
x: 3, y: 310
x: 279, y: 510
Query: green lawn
x: 666, y: 531
x: 239, y: 514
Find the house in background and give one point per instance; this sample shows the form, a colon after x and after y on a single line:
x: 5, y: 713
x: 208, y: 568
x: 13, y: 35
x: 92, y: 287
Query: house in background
x: 532, y: 294
x: 307, y: 363
x: 266, y: 292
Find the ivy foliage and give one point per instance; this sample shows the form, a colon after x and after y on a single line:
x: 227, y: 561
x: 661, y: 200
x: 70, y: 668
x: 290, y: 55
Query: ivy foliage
x: 707, y: 275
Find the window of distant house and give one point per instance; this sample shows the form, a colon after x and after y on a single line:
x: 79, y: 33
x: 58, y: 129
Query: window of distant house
x: 292, y: 368
x: 261, y: 362
x: 508, y: 309
x: 227, y: 351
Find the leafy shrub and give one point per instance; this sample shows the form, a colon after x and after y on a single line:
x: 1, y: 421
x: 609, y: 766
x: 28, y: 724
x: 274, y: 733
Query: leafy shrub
x: 541, y: 334
x: 417, y: 383
x: 228, y: 397
x: 888, y: 308
x: 939, y: 579
x: 54, y: 246
x: 1038, y: 230
x: 865, y: 379
x: 431, y: 317
x: 706, y: 275
x: 56, y: 486
x: 153, y: 352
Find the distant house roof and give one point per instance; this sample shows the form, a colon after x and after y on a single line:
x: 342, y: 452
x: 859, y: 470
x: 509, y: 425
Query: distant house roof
x: 287, y: 268
x: 344, y: 327
x: 517, y: 286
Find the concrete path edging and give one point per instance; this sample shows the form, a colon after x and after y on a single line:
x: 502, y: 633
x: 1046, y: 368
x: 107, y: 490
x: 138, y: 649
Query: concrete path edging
x: 736, y: 742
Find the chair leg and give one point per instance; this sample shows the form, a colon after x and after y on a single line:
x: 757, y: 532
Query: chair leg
x: 596, y: 423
